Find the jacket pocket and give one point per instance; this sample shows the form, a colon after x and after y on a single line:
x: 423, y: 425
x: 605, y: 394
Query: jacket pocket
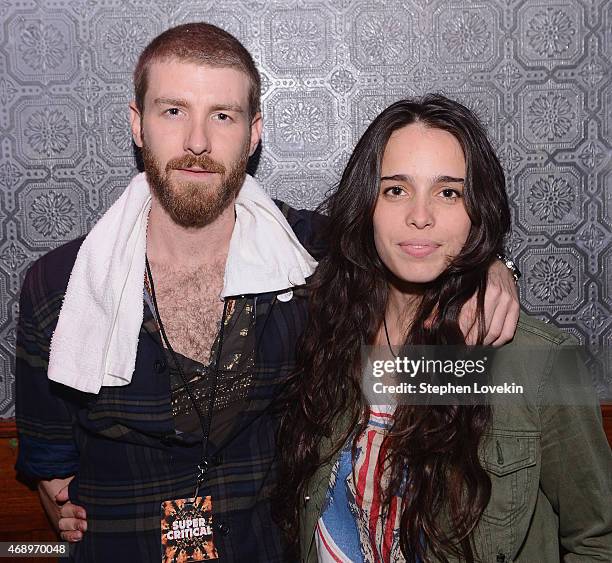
x: 511, y: 460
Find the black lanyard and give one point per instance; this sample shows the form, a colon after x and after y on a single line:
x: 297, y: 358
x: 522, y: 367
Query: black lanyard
x: 205, y: 422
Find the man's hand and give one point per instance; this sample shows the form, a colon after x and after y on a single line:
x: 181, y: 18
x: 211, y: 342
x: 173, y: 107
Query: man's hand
x: 68, y: 519
x: 501, y: 309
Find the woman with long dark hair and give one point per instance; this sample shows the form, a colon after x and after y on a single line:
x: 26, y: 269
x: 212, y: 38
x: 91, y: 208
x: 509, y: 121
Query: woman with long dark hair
x: 419, y: 215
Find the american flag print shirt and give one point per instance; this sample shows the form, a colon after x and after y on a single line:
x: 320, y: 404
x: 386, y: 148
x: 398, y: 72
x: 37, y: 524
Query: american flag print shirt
x: 354, y: 526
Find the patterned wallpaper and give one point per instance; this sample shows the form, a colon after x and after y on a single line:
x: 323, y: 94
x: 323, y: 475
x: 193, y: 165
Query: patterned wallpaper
x: 536, y: 71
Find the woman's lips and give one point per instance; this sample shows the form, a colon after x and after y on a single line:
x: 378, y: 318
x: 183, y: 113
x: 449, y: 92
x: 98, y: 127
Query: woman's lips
x: 419, y: 249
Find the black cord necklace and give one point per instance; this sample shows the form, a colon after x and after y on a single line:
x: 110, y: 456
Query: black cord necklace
x: 387, y: 335
x: 205, y: 421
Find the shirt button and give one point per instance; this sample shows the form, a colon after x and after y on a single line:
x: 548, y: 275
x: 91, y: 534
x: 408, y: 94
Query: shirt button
x: 223, y: 529
x: 159, y: 366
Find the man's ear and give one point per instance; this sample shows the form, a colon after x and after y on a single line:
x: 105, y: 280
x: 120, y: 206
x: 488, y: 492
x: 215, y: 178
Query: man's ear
x: 136, y: 124
x: 256, y: 127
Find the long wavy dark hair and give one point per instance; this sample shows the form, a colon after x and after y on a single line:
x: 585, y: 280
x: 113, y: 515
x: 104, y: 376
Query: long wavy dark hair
x: 446, y: 489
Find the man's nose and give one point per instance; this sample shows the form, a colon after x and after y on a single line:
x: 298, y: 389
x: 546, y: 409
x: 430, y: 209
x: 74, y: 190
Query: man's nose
x: 197, y: 140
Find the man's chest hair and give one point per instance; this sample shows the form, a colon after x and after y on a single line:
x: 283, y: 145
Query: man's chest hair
x: 190, y: 308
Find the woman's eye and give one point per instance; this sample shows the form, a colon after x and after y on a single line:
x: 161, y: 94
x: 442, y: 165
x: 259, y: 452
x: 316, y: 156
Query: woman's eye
x: 450, y: 193
x: 394, y: 191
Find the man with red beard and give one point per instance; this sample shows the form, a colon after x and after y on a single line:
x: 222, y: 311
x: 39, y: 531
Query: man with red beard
x: 172, y: 328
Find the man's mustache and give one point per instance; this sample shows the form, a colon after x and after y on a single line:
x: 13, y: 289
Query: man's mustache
x: 192, y: 161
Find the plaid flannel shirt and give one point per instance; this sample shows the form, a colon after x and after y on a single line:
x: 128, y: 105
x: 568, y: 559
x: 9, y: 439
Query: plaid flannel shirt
x: 121, y: 443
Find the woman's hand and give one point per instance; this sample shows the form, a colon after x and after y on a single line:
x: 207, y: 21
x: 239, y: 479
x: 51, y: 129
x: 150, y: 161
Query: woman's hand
x: 68, y: 519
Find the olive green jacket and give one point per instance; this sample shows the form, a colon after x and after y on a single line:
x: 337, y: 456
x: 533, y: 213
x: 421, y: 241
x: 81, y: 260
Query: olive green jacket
x: 550, y: 466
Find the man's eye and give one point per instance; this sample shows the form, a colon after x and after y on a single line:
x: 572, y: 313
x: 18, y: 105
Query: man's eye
x: 223, y: 117
x: 173, y: 111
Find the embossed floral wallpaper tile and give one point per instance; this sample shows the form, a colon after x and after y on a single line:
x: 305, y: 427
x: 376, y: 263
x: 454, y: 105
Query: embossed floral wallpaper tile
x: 537, y: 72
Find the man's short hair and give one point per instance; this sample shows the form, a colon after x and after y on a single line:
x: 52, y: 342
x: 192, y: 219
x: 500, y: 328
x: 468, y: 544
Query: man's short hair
x: 199, y: 43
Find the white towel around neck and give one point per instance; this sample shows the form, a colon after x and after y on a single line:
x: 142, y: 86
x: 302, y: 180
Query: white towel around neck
x: 96, y: 337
